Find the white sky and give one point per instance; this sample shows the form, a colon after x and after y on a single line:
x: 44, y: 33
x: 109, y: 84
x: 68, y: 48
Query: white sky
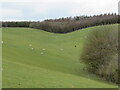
x: 43, y: 9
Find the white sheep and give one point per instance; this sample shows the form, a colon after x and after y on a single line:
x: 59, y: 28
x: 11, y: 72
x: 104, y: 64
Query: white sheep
x: 41, y: 52
x: 2, y: 42
x: 43, y: 49
x: 30, y: 45
x: 61, y: 49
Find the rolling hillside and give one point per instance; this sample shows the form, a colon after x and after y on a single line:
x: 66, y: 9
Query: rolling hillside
x: 37, y: 59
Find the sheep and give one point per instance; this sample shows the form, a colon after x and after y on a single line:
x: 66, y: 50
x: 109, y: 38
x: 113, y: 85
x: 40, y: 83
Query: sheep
x: 41, y: 52
x: 30, y: 45
x: 43, y: 49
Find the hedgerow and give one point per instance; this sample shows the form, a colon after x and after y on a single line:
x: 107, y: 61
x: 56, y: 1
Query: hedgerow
x: 100, y: 53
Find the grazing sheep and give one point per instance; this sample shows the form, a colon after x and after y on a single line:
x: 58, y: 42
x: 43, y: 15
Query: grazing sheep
x: 61, y: 49
x: 41, y: 52
x: 30, y: 45
x: 43, y: 49
x: 2, y: 42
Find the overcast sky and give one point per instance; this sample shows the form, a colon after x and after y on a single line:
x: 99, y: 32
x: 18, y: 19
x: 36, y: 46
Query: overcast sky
x: 46, y: 9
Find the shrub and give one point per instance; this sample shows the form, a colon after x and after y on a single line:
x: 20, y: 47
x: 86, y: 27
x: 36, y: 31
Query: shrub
x: 100, y: 53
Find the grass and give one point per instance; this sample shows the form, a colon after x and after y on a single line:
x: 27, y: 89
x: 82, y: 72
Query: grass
x: 57, y: 66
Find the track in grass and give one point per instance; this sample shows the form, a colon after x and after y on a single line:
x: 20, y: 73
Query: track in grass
x: 35, y: 58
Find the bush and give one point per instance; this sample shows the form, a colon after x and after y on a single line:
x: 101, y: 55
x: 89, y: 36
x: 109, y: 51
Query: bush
x: 100, y: 53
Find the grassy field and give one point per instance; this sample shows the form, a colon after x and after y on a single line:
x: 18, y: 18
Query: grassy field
x: 37, y: 59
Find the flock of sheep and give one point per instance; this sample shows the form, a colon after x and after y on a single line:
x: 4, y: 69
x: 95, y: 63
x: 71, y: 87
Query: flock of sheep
x: 43, y: 49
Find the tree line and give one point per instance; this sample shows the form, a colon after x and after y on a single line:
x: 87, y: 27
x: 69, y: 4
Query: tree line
x: 16, y: 24
x: 68, y: 24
